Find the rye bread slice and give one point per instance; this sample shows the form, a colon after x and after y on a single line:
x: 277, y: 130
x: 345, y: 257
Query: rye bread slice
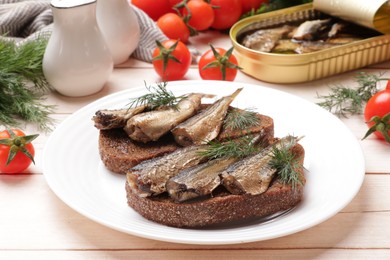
x: 222, y: 207
x: 119, y: 153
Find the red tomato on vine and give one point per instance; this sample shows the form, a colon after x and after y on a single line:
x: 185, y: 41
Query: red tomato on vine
x: 171, y: 59
x: 153, y: 8
x: 226, y: 13
x: 16, y: 151
x: 172, y: 3
x: 377, y: 114
x: 201, y: 14
x: 218, y: 64
x: 173, y: 26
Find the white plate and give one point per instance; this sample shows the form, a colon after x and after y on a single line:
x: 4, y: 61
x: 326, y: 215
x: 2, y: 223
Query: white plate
x: 334, y: 163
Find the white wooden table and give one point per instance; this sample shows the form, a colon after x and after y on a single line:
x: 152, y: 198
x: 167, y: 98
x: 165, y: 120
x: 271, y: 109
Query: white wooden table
x: 36, y: 224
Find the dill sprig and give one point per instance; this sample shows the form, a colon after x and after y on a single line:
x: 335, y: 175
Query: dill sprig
x: 237, y: 148
x: 346, y: 100
x: 23, y: 85
x: 286, y: 164
x: 240, y: 119
x: 158, y: 96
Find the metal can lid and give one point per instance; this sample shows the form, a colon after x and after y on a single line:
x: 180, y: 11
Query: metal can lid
x: 374, y: 14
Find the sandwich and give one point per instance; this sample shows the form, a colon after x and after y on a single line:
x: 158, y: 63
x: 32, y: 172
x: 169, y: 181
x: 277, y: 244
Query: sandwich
x: 192, y: 165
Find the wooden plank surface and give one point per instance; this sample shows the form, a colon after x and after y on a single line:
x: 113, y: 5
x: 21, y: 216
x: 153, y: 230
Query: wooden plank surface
x: 36, y: 224
x: 302, y: 254
x: 42, y: 221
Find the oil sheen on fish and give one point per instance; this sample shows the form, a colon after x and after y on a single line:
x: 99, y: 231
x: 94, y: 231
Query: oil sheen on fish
x: 311, y: 46
x: 343, y: 40
x: 198, y: 181
x: 205, y: 126
x: 149, y: 177
x: 150, y: 126
x: 292, y: 47
x: 253, y: 174
x: 286, y: 46
x: 266, y: 39
x: 115, y: 118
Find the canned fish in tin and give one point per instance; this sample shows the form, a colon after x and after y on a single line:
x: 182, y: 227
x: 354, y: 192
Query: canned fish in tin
x: 303, y: 55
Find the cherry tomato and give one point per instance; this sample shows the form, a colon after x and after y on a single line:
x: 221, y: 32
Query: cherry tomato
x: 154, y: 8
x: 377, y: 115
x: 16, y: 151
x: 173, y: 26
x: 202, y: 14
x: 218, y: 64
x: 226, y: 13
x: 171, y: 59
x: 248, y: 5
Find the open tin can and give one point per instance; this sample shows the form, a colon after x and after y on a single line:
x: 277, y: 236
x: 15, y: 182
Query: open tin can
x: 295, y: 68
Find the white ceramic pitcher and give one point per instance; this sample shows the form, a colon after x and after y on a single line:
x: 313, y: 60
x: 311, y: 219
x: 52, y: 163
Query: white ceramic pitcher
x: 77, y: 61
x: 119, y: 26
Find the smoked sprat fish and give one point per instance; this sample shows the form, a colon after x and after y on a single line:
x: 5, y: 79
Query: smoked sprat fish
x: 253, y: 174
x: 150, y: 126
x: 149, y: 177
x: 309, y: 30
x: 203, y: 179
x: 304, y: 37
x: 265, y: 40
x: 205, y: 126
x: 115, y: 118
x: 198, y: 181
x: 336, y: 29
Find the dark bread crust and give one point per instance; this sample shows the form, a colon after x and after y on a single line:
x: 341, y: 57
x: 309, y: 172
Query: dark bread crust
x: 119, y: 153
x: 222, y: 207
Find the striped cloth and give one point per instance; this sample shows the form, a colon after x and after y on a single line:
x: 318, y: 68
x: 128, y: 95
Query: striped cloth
x: 24, y: 20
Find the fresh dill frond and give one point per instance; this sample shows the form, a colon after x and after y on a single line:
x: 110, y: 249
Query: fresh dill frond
x: 240, y: 119
x: 158, y: 96
x: 345, y: 101
x: 286, y: 164
x: 28, y: 62
x: 23, y: 85
x: 368, y: 84
x: 342, y: 101
x: 237, y: 148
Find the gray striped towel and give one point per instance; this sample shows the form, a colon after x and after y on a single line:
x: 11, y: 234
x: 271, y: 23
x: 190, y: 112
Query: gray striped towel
x: 24, y: 20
